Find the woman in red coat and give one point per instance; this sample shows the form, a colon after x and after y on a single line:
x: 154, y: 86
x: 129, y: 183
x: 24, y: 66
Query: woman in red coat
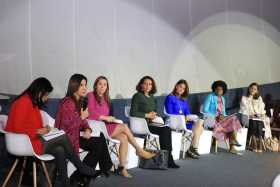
x: 25, y: 118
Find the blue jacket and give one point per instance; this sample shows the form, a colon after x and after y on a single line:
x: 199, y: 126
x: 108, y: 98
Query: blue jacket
x: 174, y: 105
x: 210, y: 105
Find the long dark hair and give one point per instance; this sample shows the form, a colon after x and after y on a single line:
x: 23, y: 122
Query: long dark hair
x: 186, y: 92
x: 36, y: 90
x: 257, y: 95
x: 106, y: 94
x: 139, y: 85
x: 73, y: 86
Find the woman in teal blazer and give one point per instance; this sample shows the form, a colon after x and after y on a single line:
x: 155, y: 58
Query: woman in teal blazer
x: 215, y: 117
x: 211, y: 103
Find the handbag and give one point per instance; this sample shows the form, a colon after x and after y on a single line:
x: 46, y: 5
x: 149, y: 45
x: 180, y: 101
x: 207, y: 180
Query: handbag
x: 271, y: 144
x: 158, y: 162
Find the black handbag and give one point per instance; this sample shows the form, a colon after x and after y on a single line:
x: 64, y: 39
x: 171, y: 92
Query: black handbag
x: 158, y: 162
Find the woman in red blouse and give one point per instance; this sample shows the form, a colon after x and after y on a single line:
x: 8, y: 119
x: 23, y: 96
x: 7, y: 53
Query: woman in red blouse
x: 25, y: 118
x: 71, y: 117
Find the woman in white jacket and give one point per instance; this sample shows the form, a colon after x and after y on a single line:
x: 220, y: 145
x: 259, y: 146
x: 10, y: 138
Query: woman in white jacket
x: 252, y: 106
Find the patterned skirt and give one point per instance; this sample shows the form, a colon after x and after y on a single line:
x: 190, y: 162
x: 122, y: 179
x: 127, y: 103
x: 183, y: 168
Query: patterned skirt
x: 227, y: 125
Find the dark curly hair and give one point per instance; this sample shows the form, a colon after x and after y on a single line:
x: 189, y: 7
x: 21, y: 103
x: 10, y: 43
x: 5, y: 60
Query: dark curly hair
x: 221, y: 84
x: 139, y: 85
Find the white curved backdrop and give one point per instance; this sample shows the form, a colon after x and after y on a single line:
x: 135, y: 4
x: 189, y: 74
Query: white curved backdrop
x: 198, y: 40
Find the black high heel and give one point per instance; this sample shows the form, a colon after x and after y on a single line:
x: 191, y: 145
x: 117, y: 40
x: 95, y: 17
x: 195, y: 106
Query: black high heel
x: 171, y: 163
x: 79, y: 180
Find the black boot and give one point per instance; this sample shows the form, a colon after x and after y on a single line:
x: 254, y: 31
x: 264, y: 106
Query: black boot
x: 195, y: 151
x: 78, y: 180
x: 83, y: 168
x: 171, y: 163
x: 191, y: 154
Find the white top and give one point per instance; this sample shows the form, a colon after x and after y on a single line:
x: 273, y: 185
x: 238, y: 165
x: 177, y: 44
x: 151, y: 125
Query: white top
x: 250, y: 106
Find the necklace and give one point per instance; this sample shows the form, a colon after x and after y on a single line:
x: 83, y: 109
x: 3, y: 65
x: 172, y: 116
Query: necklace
x: 180, y: 107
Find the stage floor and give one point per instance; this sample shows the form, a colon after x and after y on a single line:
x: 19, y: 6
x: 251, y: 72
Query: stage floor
x: 213, y: 170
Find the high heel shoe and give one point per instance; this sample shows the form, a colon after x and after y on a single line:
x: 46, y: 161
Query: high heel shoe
x: 171, y: 163
x: 145, y: 154
x: 79, y: 180
x: 191, y: 154
x: 123, y: 172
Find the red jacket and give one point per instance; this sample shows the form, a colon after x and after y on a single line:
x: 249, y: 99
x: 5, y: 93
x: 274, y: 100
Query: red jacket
x: 25, y: 118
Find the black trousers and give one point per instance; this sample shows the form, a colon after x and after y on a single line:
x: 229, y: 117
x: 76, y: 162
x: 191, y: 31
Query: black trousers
x: 98, y: 152
x: 256, y: 128
x: 164, y: 133
x: 62, y: 150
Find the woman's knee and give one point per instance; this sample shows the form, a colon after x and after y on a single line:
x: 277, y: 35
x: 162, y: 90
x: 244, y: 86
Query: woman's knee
x: 122, y: 128
x: 126, y: 128
x: 58, y: 151
x: 123, y: 138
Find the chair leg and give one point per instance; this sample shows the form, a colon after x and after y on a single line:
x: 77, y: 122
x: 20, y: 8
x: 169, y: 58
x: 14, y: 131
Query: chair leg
x: 263, y: 144
x: 216, y: 146
x: 145, y: 143
x: 34, y: 175
x: 46, y: 173
x: 227, y: 144
x: 188, y: 138
x: 250, y: 142
x: 10, y: 173
x: 116, y: 150
x: 148, y: 144
x: 214, y: 141
x: 22, y: 171
x: 156, y: 144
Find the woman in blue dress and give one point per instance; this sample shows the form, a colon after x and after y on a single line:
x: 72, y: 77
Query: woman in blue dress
x: 176, y: 103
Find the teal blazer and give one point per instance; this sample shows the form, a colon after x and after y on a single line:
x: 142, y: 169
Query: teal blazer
x: 210, y: 105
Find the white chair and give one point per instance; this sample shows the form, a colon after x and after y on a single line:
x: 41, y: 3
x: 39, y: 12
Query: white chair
x: 47, y: 119
x: 19, y: 145
x: 99, y: 126
x: 3, y: 121
x: 245, y: 119
x: 113, y: 144
x: 139, y: 126
x: 178, y: 124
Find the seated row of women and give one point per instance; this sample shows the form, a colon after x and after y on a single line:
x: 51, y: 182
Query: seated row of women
x: 24, y: 117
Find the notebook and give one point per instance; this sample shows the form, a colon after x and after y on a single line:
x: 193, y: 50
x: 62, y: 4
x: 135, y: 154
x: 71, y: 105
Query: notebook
x: 54, y: 133
x: 158, y: 122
